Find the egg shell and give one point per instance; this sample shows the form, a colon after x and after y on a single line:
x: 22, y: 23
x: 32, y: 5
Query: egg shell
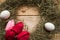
x: 5, y: 14
x: 49, y: 26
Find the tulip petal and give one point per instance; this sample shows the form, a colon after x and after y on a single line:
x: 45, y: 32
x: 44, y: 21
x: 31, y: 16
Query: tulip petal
x: 9, y: 25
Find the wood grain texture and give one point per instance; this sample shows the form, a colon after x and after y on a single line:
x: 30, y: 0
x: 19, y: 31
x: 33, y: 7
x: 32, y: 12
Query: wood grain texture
x: 29, y: 16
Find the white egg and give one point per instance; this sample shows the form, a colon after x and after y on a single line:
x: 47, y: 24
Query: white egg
x: 5, y: 14
x: 49, y: 26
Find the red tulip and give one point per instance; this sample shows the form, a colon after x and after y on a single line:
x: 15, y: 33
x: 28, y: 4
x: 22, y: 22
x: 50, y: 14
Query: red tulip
x: 9, y: 35
x: 18, y: 28
x: 23, y: 35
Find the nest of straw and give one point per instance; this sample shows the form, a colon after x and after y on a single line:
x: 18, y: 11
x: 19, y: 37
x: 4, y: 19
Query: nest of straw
x: 48, y: 13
